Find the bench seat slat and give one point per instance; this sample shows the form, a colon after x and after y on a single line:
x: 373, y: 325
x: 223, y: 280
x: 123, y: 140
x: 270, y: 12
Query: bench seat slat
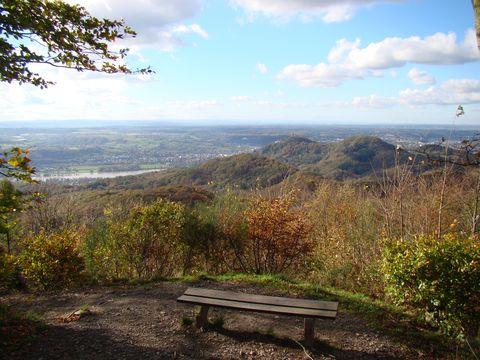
x: 248, y: 306
x: 262, y: 299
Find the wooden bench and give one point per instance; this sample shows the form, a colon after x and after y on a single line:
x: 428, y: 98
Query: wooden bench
x: 308, y: 309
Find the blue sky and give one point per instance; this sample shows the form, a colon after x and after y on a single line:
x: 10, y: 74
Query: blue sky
x: 283, y: 61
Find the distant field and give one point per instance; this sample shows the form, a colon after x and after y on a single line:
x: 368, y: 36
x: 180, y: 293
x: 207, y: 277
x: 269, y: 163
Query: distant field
x: 150, y: 166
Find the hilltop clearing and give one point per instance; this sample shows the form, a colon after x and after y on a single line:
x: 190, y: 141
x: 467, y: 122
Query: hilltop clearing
x: 132, y: 322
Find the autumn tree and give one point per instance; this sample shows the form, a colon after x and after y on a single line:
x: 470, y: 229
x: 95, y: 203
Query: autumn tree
x: 277, y: 237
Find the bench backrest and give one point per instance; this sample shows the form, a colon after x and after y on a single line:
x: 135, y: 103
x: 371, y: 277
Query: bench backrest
x: 330, y: 306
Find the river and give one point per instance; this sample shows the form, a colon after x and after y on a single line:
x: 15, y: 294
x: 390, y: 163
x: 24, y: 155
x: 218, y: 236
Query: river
x: 92, y: 175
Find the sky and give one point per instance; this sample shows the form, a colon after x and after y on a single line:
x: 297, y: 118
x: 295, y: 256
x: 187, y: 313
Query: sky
x: 264, y: 62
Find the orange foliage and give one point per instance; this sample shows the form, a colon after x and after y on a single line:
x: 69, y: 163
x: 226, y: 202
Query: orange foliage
x: 277, y: 235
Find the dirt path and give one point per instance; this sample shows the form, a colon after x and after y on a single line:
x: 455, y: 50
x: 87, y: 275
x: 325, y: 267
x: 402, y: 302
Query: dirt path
x: 144, y: 322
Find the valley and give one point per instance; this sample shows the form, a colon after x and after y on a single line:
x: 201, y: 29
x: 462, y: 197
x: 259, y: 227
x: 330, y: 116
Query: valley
x: 75, y: 153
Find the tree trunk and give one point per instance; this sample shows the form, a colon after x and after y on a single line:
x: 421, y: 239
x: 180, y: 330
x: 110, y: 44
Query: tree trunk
x: 476, y: 11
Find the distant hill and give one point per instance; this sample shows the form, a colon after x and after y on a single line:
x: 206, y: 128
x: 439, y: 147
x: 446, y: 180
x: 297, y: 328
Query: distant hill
x: 296, y: 151
x: 357, y: 157
x: 352, y: 158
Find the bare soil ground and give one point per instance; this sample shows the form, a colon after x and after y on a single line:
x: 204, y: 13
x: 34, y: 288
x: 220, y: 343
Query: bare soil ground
x: 145, y: 322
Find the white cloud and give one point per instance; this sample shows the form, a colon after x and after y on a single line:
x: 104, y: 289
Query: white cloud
x: 197, y: 29
x: 182, y: 29
x: 347, y: 60
x: 439, y: 49
x: 95, y: 96
x: 76, y: 95
x: 194, y: 28
x: 321, y: 75
x: 372, y: 101
x: 262, y: 68
x: 451, y: 92
x: 420, y: 77
x: 143, y: 14
x: 155, y: 21
x: 341, y: 50
x: 328, y: 10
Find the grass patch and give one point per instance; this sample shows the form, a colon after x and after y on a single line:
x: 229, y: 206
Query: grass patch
x: 270, y: 332
x: 8, y: 315
x: 186, y: 321
x: 17, y: 328
x: 217, y: 322
x: 32, y: 316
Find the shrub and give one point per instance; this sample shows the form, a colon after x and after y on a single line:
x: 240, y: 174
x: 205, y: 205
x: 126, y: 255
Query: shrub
x: 199, y: 242
x: 154, y: 234
x: 148, y: 243
x: 104, y: 248
x: 97, y: 261
x: 219, y: 232
x: 347, y: 236
x: 440, y: 278
x: 52, y: 261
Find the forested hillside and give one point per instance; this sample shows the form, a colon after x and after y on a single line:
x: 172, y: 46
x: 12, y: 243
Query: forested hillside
x: 352, y: 158
x: 244, y: 171
x: 359, y: 157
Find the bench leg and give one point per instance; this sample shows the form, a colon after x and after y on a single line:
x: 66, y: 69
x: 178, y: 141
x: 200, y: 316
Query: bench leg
x: 309, y: 332
x: 202, y: 318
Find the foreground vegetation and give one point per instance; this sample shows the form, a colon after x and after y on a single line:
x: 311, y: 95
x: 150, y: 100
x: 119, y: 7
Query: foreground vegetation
x: 409, y: 239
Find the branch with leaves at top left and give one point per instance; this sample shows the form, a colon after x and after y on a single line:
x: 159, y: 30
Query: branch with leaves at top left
x: 58, y: 34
